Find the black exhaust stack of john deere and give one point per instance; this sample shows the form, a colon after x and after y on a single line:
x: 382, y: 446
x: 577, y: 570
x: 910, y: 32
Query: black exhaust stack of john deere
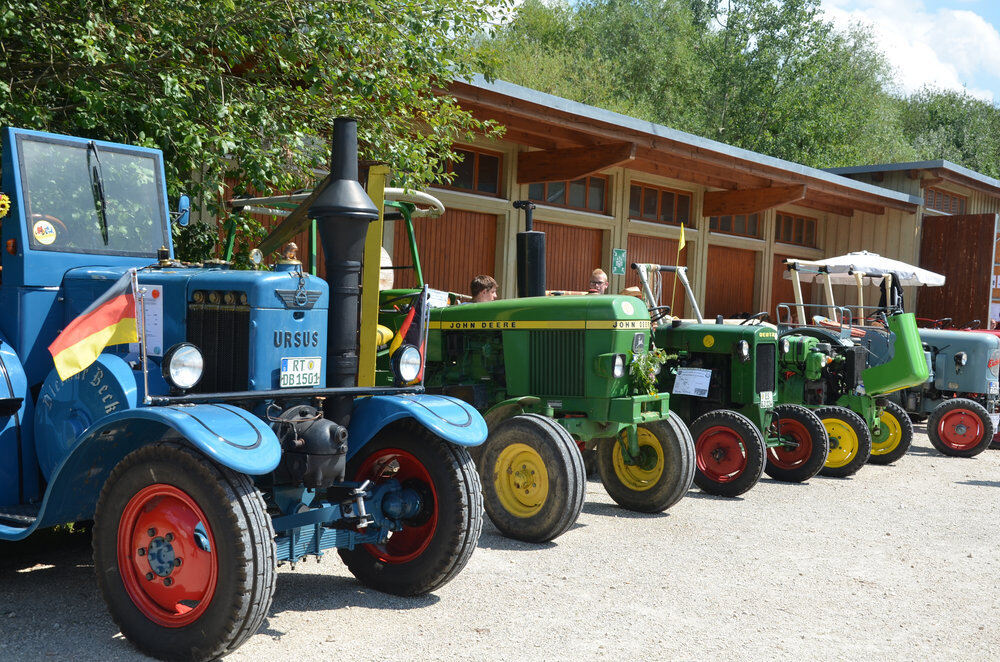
x: 530, y: 255
x: 342, y: 212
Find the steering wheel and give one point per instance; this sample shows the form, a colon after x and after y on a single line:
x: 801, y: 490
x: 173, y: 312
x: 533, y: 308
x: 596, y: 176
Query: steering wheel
x: 756, y: 317
x: 656, y: 313
x: 974, y: 324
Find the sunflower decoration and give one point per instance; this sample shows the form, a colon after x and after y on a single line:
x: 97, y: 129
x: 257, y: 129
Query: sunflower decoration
x: 4, y: 204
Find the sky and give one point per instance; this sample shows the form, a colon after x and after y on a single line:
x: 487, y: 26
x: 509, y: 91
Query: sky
x: 950, y: 44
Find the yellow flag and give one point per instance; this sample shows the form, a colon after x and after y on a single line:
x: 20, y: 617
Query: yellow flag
x: 680, y: 244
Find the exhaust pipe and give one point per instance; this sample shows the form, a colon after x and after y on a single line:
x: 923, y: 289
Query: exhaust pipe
x: 342, y: 212
x: 530, y: 255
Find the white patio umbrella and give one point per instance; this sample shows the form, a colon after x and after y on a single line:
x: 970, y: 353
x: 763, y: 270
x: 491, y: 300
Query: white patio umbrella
x: 843, y: 270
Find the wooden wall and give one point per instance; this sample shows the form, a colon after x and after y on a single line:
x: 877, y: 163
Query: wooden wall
x: 782, y: 290
x: 961, y: 247
x: 454, y: 249
x: 730, y: 282
x: 571, y: 254
x: 657, y: 250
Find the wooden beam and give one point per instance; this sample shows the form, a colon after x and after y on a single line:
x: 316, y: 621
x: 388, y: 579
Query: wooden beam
x: 664, y: 170
x: 555, y: 165
x: 845, y: 201
x: 828, y: 208
x: 749, y: 201
x: 728, y: 172
x: 930, y: 181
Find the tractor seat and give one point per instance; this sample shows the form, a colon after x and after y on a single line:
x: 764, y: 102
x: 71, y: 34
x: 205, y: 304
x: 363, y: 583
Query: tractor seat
x: 383, y: 336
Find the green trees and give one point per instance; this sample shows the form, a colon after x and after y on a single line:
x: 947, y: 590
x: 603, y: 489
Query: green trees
x: 226, y: 86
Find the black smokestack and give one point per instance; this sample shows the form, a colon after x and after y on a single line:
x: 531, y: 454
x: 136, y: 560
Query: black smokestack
x: 530, y: 255
x: 342, y: 212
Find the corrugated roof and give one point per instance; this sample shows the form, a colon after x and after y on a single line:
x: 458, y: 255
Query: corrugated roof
x: 940, y: 164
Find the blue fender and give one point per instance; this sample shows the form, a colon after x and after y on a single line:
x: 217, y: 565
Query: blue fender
x: 228, y: 435
x: 447, y: 417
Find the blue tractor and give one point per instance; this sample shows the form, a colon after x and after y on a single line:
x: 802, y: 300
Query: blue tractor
x: 233, y: 437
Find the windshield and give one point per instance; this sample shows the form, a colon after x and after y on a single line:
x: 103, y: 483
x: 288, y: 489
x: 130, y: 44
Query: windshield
x: 62, y: 185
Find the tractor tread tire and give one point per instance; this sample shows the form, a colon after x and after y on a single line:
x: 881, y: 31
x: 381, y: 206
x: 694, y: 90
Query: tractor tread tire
x: 906, y: 438
x: 817, y: 437
x: 756, y: 452
x: 860, y: 429
x: 245, y: 526
x: 960, y: 403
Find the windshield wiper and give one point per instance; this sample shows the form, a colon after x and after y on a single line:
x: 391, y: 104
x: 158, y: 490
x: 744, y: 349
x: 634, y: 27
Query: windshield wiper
x: 98, y: 181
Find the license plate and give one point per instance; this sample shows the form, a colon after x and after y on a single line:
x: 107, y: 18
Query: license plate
x: 296, y: 372
x: 767, y: 399
x: 996, y: 420
x: 994, y: 388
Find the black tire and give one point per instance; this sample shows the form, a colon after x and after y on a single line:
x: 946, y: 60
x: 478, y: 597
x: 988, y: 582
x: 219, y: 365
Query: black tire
x: 243, y: 554
x: 542, y: 509
x: 443, y: 545
x: 895, y: 435
x: 841, y: 421
x: 797, y: 464
x: 670, y: 478
x: 945, y: 423
x: 729, y: 452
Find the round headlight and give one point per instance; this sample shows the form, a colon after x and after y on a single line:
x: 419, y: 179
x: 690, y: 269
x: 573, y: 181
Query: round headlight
x: 183, y: 366
x: 406, y: 363
x: 961, y: 358
x: 619, y: 368
x: 743, y: 350
x: 786, y: 346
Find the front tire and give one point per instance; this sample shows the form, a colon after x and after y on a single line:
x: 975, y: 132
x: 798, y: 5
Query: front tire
x: 850, y: 441
x: 894, y: 437
x: 184, y: 553
x: 960, y: 427
x: 534, y: 479
x: 434, y: 545
x: 663, y: 474
x: 807, y: 445
x: 729, y: 453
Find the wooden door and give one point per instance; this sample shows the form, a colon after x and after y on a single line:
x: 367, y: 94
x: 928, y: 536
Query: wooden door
x: 730, y: 282
x: 783, y: 292
x: 454, y: 249
x: 961, y: 249
x: 571, y: 254
x: 658, y: 250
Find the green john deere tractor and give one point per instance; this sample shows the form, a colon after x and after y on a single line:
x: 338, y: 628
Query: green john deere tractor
x: 827, y: 368
x: 552, y: 374
x: 722, y: 378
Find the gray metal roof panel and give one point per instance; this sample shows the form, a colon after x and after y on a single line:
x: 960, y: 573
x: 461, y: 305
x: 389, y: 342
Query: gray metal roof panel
x: 644, y: 126
x: 918, y: 165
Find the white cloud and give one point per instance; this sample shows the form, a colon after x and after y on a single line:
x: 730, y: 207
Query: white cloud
x: 947, y: 48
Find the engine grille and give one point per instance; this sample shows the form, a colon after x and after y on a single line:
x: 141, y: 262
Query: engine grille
x: 219, y: 324
x: 766, y: 353
x: 556, y: 363
x: 857, y: 361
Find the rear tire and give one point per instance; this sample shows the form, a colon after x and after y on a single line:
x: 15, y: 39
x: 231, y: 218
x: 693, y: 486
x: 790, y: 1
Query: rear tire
x: 534, y: 480
x: 850, y: 441
x: 436, y: 544
x: 960, y: 427
x: 895, y: 435
x: 797, y: 464
x: 729, y: 453
x: 664, y: 474
x: 184, y: 553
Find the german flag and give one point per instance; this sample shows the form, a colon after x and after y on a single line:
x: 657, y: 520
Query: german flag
x: 110, y: 320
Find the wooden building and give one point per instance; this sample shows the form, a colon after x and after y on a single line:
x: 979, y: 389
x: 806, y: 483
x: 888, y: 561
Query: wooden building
x: 603, y: 181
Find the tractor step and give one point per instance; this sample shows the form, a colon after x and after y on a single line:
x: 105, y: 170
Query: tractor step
x: 23, y: 516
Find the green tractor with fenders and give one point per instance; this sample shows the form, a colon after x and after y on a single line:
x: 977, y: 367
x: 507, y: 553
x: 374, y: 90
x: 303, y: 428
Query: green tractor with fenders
x: 552, y: 375
x: 722, y: 379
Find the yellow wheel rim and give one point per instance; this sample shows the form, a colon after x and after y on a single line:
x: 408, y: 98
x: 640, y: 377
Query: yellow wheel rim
x: 521, y: 481
x: 890, y: 434
x: 843, y: 442
x: 645, y: 474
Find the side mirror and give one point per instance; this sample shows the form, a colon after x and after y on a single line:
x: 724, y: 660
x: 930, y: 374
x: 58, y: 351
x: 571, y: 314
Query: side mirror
x: 183, y: 211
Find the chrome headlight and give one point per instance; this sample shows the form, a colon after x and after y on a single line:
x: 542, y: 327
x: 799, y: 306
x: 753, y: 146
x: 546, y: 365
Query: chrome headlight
x: 743, y: 350
x: 618, y: 370
x: 406, y: 363
x: 786, y: 346
x: 183, y: 366
x: 961, y: 358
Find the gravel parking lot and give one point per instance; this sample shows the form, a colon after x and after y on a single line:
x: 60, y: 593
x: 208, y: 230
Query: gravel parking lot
x: 898, y: 562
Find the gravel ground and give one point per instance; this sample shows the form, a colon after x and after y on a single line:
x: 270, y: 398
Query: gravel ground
x: 896, y: 563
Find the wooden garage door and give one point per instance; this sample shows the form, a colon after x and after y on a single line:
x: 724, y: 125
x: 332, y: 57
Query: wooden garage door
x: 782, y: 290
x: 454, y: 249
x: 960, y: 247
x: 642, y: 248
x: 571, y: 254
x: 730, y: 282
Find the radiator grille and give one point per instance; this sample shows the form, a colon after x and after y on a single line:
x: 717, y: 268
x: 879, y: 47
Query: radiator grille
x: 765, y: 366
x: 556, y: 362
x: 219, y: 324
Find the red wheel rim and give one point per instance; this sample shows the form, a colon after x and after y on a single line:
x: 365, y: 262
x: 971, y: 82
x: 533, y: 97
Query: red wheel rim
x: 790, y: 457
x: 960, y: 429
x: 166, y: 556
x: 408, y: 544
x: 721, y: 454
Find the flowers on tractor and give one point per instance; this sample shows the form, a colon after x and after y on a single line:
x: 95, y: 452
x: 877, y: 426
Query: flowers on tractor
x: 4, y: 204
x: 645, y: 367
